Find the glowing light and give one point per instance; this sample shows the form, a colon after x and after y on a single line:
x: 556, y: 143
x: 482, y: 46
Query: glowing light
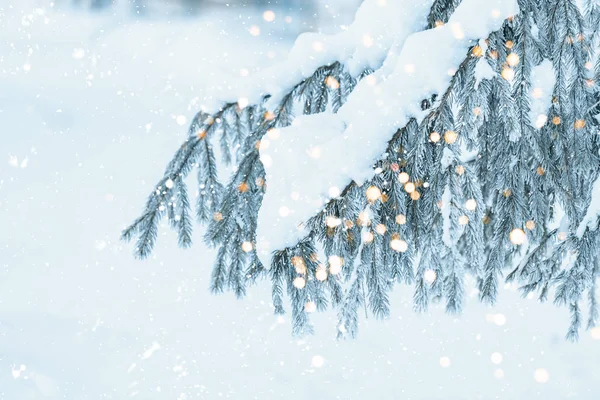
x: 371, y: 80
x: 334, y: 192
x: 415, y: 195
x: 273, y: 133
x: 496, y: 13
x: 332, y: 221
x: 314, y: 152
x: 242, y: 102
x: 434, y: 137
x: 509, y: 44
x: 400, y: 219
x: 530, y: 225
x: 381, y: 229
x: 367, y: 41
x: 463, y: 220
x: 318, y: 361
x: 430, y: 276
x: 450, y: 137
x: 512, y: 59
x: 318, y: 47
x: 541, y: 375
x: 409, y: 187
x: 269, y: 115
x: 367, y: 236
x: 477, y: 111
x: 444, y: 362
x: 335, y: 264
x: 269, y: 16
x: 579, y: 124
x: 459, y: 169
x: 507, y: 193
x: 332, y: 83
x: 169, y: 183
x: 399, y: 245
x: 254, y: 30
x: 299, y: 264
x: 588, y: 65
x: 457, y: 31
x: 409, y: 68
x: 477, y: 51
x: 541, y: 121
x: 299, y: 283
x: 321, y: 274
x: 218, y: 217
x: 537, y: 93
x: 595, y: 333
x: 403, y: 177
x: 247, y: 247
x: 471, y: 205
x: 310, y: 307
x: 439, y: 23
x: 556, y: 120
x: 499, y: 374
x: 201, y: 134
x: 518, y: 236
x: 373, y: 193
x: 284, y: 211
x: 508, y: 74
x: 562, y: 236
x: 496, y: 358
x: 499, y: 319
x: 363, y: 218
x: 540, y: 170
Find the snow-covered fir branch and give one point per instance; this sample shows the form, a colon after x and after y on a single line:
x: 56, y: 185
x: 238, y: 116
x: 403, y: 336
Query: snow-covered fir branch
x: 441, y: 139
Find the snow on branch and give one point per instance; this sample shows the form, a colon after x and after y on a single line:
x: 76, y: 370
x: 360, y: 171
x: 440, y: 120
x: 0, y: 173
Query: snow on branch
x: 347, y: 144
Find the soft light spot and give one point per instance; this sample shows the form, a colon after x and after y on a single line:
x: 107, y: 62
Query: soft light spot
x: 530, y: 225
x: 400, y: 219
x: 332, y: 221
x: 269, y: 16
x: 78, y: 53
x: 299, y: 283
x: 334, y: 192
x: 403, y: 177
x: 367, y: 237
x: 332, y: 82
x: 367, y: 41
x: 314, y: 152
x: 399, y: 245
x: 541, y: 121
x: 496, y: 358
x: 457, y: 31
x: 273, y: 133
x: 541, y: 375
x: 266, y: 160
x: 499, y: 373
x: 512, y: 59
x: 318, y: 47
x: 463, y: 220
x: 409, y: 68
x: 450, y: 137
x: 518, y: 236
x: 181, y: 120
x: 318, y: 361
x: 335, y: 264
x: 537, y: 93
x: 254, y: 30
x: 247, y: 247
x: 499, y: 319
x: 284, y: 211
x: 242, y: 102
x: 445, y: 362
x: 321, y: 274
x: 373, y: 193
x: 310, y: 307
x: 434, y: 137
x: 169, y: 183
x: 508, y: 74
x: 430, y: 276
x: 471, y: 205
x: 409, y: 187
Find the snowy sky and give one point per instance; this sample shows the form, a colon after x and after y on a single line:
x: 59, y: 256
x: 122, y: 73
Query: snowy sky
x: 90, y: 112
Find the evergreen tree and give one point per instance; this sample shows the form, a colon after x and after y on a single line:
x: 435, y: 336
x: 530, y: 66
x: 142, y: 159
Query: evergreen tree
x: 478, y: 183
